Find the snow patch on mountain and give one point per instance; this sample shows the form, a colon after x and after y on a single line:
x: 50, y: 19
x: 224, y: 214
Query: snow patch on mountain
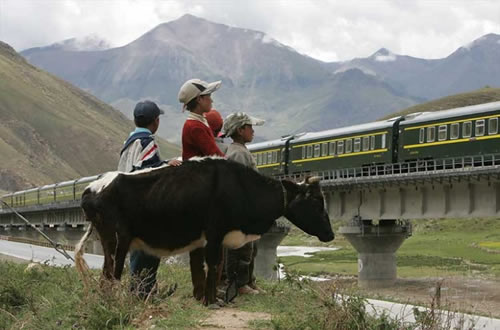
x: 88, y: 43
x: 350, y: 66
x: 385, y: 58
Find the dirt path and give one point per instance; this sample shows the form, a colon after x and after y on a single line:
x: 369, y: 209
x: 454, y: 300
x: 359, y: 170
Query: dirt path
x: 231, y: 318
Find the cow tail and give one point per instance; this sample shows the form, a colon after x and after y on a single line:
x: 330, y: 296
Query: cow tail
x: 80, y: 263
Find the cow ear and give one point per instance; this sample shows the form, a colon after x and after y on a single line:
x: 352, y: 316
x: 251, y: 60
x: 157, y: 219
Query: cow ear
x: 313, y: 179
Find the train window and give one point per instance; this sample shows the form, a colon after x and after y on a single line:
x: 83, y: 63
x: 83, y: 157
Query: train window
x: 421, y: 136
x: 372, y: 142
x: 317, y: 150
x: 366, y: 143
x: 258, y: 159
x: 479, y: 127
x: 492, y: 126
x: 309, y: 151
x: 383, y: 140
x: 264, y: 159
x: 431, y: 134
x: 348, y: 146
x: 324, y: 149
x: 275, y: 156
x: 269, y: 157
x: 454, y: 131
x: 340, y: 147
x: 442, y: 132
x: 303, y: 152
x: 467, y: 129
x: 332, y: 148
x: 357, y: 144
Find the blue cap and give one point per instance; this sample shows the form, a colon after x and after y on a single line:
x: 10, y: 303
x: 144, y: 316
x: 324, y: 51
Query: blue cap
x: 147, y: 110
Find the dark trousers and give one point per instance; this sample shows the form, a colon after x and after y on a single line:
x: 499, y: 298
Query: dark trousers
x: 240, y: 264
x: 143, y: 268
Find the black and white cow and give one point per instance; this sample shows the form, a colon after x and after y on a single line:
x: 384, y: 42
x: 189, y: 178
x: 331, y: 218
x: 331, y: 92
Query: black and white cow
x: 202, y: 203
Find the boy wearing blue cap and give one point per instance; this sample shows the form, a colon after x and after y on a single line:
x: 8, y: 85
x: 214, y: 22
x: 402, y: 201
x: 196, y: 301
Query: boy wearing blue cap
x: 140, y: 151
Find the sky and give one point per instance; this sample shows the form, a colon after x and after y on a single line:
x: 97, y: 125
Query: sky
x: 328, y: 30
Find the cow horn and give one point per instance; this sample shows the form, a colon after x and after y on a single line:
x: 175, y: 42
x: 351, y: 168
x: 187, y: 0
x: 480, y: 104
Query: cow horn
x: 313, y: 179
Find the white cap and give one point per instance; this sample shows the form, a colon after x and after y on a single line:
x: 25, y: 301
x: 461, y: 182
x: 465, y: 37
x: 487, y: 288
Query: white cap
x: 196, y: 87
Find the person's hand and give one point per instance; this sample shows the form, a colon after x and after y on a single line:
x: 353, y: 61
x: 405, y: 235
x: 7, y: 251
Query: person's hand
x: 174, y: 162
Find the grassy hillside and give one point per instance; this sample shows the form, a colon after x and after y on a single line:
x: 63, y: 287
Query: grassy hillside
x: 483, y: 95
x: 51, y: 131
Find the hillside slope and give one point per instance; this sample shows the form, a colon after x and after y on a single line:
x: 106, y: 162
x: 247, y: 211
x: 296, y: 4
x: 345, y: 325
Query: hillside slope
x: 51, y: 131
x: 483, y: 95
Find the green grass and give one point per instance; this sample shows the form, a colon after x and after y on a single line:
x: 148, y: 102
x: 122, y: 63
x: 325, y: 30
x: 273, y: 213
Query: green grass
x: 54, y: 298
x: 453, y: 247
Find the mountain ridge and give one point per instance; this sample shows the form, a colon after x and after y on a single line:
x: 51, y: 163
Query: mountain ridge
x: 51, y: 131
x: 259, y: 74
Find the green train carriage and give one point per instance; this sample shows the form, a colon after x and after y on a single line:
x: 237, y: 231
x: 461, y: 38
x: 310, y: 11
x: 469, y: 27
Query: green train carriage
x: 466, y: 131
x: 348, y: 147
x: 270, y: 156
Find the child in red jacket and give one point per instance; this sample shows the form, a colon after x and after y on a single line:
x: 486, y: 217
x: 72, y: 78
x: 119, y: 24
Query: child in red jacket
x: 198, y: 140
x: 197, y: 137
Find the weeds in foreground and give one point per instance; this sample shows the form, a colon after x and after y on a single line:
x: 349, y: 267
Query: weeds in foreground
x: 54, y: 298
x: 337, y: 307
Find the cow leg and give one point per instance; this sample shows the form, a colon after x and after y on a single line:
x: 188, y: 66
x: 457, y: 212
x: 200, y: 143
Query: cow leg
x: 196, y: 263
x: 213, y: 255
x: 108, y: 242
x: 120, y: 255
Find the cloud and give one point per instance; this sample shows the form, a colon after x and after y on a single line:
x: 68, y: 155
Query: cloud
x: 332, y: 30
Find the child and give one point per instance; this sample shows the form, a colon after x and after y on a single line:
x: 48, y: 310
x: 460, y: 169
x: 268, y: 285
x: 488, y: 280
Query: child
x: 215, y: 121
x: 198, y: 140
x: 141, y: 151
x: 240, y: 262
x: 197, y: 137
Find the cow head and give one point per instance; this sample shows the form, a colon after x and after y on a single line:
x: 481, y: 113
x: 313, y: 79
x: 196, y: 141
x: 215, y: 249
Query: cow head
x: 306, y: 208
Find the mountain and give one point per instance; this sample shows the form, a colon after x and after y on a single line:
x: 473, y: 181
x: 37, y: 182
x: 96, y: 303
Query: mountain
x: 88, y: 43
x: 468, y: 68
x: 483, y: 95
x: 396, y: 70
x: 260, y: 75
x: 51, y: 131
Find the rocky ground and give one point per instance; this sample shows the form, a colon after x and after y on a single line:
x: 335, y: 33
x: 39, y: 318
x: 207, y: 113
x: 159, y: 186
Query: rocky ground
x: 478, y: 296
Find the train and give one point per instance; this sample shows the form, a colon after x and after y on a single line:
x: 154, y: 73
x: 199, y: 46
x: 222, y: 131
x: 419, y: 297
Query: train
x: 67, y: 191
x: 402, y: 140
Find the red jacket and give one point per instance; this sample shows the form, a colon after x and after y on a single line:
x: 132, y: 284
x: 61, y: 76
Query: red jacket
x: 198, y: 140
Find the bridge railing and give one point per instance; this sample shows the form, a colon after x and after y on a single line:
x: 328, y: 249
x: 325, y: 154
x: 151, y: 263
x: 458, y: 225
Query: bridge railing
x: 419, y: 169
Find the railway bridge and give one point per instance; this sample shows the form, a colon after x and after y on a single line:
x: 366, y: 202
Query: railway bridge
x: 376, y: 204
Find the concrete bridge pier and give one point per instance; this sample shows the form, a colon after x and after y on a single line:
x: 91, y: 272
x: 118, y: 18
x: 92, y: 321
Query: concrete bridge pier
x: 265, y: 262
x: 376, y: 245
x: 67, y: 234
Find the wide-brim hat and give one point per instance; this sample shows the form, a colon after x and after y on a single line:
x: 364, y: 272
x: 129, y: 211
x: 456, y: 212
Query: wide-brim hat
x: 196, y: 87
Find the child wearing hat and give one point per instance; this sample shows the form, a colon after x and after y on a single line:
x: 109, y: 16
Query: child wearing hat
x: 198, y: 140
x: 240, y: 262
x: 141, y: 151
x: 197, y: 137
